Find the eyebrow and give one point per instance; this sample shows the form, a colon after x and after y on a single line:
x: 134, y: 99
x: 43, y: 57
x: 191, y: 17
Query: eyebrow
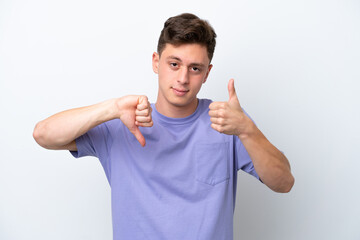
x: 191, y: 64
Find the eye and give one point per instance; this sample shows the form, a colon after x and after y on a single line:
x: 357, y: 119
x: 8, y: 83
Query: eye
x: 195, y: 69
x: 173, y: 64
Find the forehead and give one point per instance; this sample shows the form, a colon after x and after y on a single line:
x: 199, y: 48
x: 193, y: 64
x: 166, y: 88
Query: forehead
x: 187, y: 53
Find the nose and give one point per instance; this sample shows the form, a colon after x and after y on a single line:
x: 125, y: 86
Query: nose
x: 183, y: 76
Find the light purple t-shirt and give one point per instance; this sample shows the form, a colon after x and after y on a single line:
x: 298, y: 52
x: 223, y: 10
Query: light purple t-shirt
x: 181, y: 185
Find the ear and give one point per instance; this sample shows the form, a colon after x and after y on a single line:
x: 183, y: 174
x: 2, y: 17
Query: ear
x: 155, y: 62
x: 207, y: 73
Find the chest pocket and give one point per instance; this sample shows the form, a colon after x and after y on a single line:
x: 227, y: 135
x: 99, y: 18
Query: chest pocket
x: 212, y: 162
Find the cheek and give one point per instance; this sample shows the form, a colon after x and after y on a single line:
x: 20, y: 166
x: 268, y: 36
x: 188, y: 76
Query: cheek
x: 165, y: 73
x: 196, y: 84
x: 198, y: 80
x: 164, y: 78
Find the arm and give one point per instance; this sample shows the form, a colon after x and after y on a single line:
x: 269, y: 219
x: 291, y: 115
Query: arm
x: 60, y: 130
x: 271, y: 165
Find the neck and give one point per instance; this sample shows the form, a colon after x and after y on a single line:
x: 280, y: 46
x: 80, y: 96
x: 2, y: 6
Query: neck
x: 174, y: 111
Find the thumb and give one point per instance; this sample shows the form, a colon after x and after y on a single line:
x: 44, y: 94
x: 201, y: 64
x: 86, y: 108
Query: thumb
x: 231, y: 89
x: 138, y: 135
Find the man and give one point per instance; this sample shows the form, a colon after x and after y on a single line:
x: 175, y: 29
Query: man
x: 180, y: 181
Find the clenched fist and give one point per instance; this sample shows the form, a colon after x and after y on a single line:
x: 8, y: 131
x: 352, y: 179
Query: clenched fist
x: 135, y: 112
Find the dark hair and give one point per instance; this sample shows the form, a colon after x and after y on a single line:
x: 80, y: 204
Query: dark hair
x: 187, y: 28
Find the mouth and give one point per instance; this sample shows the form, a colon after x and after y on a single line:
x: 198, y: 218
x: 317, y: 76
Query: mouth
x: 179, y: 91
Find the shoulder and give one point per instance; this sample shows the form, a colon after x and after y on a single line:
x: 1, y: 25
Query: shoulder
x: 203, y: 108
x: 204, y: 103
x: 108, y: 128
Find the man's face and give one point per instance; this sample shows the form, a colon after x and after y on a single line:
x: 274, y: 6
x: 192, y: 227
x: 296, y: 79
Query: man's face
x: 182, y: 70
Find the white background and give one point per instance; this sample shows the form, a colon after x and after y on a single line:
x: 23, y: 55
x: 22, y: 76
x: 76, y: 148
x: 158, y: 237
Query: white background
x: 296, y: 68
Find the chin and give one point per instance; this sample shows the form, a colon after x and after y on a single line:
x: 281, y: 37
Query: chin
x: 182, y: 102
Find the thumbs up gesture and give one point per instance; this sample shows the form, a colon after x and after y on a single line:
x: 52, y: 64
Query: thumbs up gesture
x: 228, y: 117
x: 135, y: 112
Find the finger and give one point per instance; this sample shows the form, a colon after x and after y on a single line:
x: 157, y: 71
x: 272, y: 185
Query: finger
x: 217, y: 113
x: 142, y: 106
x: 145, y: 124
x: 218, y: 121
x: 217, y: 127
x: 138, y: 135
x: 231, y: 89
x: 233, y: 99
x: 143, y: 103
x: 213, y: 113
x: 143, y: 119
x: 217, y: 105
x: 144, y: 112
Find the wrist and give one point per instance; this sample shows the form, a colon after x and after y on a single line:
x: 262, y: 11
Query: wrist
x: 108, y: 110
x: 251, y: 131
x: 115, y: 107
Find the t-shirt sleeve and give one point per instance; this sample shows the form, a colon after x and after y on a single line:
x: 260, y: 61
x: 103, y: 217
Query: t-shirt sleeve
x: 96, y: 142
x: 242, y: 157
x: 93, y: 143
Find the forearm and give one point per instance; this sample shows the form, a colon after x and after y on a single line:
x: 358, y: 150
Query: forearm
x: 271, y: 165
x: 62, y: 128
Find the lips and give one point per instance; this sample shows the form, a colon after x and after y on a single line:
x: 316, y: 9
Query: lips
x: 179, y: 91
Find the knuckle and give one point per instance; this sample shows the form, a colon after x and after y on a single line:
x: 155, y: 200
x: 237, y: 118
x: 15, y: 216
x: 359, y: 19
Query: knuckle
x: 145, y: 112
x: 221, y: 113
x: 132, y: 128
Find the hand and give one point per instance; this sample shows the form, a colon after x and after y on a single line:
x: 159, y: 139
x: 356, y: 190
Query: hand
x: 135, y: 112
x: 228, y: 117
